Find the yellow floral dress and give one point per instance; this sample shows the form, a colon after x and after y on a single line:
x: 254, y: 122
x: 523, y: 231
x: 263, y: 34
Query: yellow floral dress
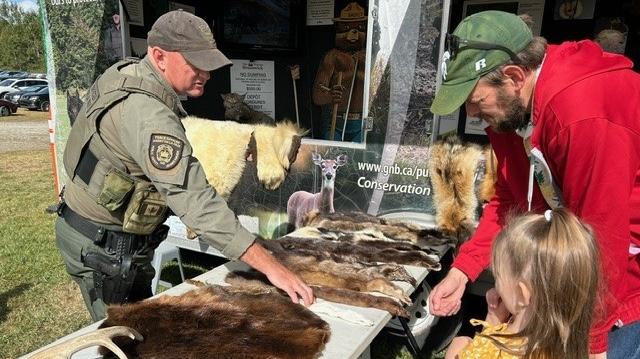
x: 482, y: 347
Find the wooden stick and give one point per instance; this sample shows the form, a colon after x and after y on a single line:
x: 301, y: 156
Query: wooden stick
x: 335, y: 110
x: 295, y: 74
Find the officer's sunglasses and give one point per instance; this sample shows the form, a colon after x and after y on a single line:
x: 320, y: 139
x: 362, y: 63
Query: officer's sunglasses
x: 456, y: 44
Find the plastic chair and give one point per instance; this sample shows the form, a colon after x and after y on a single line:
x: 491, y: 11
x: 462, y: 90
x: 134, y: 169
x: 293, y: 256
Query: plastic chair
x: 164, y: 253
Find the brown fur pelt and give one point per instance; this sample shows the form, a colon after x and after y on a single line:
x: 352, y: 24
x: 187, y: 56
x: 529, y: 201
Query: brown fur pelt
x: 379, y: 228
x: 452, y: 170
x: 220, y: 322
x: 343, y: 269
x: 345, y: 250
x: 256, y: 281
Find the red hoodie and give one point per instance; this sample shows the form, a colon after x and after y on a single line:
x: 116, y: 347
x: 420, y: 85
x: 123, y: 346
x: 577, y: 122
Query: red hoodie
x: 586, y: 114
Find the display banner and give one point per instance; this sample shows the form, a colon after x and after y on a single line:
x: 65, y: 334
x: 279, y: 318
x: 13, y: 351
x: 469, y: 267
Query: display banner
x: 387, y: 174
x: 82, y: 39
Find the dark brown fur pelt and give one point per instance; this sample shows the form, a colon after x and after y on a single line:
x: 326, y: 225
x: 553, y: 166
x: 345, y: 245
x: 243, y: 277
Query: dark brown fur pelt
x: 452, y: 170
x: 347, y: 251
x: 379, y: 228
x: 221, y: 322
x: 256, y: 281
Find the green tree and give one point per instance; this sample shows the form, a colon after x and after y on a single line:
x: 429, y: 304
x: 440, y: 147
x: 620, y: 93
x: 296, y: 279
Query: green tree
x: 21, y: 45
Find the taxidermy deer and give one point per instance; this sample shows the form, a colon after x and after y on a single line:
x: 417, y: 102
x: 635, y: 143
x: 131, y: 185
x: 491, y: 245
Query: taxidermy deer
x: 303, y: 202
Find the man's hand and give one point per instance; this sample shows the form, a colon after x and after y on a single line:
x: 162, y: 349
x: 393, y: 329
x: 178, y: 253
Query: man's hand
x: 260, y: 259
x: 445, y: 299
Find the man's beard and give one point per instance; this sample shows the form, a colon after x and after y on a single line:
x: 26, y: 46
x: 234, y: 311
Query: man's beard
x: 515, y: 116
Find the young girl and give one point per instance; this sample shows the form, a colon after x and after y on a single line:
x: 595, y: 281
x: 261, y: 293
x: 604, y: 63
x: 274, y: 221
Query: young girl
x: 547, y: 272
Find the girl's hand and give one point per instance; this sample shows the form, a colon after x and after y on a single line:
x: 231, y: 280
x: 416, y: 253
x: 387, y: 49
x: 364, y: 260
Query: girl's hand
x: 496, y: 310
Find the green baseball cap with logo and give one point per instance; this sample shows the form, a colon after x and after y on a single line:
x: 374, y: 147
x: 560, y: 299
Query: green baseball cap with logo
x: 484, y: 41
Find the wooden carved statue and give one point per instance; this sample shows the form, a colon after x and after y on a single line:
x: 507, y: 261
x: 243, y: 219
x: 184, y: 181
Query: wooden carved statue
x: 339, y: 84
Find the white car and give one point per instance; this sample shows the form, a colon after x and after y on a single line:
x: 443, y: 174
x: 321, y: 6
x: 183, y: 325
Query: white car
x: 11, y: 85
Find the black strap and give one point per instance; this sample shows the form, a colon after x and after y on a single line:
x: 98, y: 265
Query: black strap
x: 82, y: 225
x: 113, y: 241
x: 87, y: 164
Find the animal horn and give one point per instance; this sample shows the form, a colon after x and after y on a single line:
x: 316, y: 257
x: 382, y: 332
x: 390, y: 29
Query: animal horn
x: 102, y: 337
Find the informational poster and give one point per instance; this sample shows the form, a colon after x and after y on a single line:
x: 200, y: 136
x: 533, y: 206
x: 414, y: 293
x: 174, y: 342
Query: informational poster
x: 320, y: 12
x: 256, y: 80
x: 533, y: 8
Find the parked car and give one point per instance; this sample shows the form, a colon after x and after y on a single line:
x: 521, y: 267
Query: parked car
x: 34, y: 75
x: 9, y: 74
x: 38, y: 100
x: 14, y: 75
x: 15, y: 95
x: 7, y: 108
x: 11, y: 85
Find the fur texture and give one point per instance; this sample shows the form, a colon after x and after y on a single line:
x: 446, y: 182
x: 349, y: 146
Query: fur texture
x: 365, y: 225
x: 220, y: 322
x: 344, y: 263
x: 237, y: 110
x: 452, y: 169
x: 487, y: 186
x: 222, y: 148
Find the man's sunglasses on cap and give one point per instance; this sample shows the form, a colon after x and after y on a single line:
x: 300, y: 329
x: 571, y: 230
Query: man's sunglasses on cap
x: 455, y: 44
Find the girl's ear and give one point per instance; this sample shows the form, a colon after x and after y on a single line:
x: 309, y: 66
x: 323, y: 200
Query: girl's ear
x: 524, y: 294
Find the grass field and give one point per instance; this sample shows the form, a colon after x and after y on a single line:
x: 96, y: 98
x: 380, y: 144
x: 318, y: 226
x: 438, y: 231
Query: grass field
x: 39, y: 303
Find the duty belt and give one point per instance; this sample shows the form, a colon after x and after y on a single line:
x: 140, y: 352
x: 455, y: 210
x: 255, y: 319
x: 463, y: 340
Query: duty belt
x: 101, y: 236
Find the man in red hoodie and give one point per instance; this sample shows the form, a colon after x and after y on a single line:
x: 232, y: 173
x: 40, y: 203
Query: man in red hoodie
x: 564, y: 122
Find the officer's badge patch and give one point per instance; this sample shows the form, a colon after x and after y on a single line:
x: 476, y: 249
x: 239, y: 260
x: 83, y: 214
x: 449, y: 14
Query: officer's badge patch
x: 165, y: 151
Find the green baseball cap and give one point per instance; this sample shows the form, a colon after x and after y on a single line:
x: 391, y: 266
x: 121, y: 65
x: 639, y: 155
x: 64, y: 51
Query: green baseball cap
x: 493, y: 36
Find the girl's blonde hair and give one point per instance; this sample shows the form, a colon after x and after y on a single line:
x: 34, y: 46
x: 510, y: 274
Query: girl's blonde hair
x: 556, y: 255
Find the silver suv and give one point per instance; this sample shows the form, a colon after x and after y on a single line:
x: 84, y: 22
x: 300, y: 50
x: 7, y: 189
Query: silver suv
x: 11, y: 85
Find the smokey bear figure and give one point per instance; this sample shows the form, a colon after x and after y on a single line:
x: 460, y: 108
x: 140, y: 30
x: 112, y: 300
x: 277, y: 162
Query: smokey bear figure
x: 339, y: 84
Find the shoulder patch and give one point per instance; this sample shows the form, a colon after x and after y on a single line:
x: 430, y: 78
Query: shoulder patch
x: 165, y: 151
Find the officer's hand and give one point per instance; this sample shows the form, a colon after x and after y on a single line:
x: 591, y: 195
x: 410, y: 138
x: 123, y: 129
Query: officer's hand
x: 296, y: 288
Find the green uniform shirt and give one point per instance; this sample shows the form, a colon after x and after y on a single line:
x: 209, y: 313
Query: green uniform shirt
x: 150, y: 140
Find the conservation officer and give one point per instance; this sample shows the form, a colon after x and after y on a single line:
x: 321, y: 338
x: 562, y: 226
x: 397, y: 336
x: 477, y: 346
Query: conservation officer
x: 130, y: 164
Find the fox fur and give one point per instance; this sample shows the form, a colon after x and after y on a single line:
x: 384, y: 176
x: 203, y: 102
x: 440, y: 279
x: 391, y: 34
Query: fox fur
x: 220, y: 322
x: 452, y: 170
x: 487, y: 186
